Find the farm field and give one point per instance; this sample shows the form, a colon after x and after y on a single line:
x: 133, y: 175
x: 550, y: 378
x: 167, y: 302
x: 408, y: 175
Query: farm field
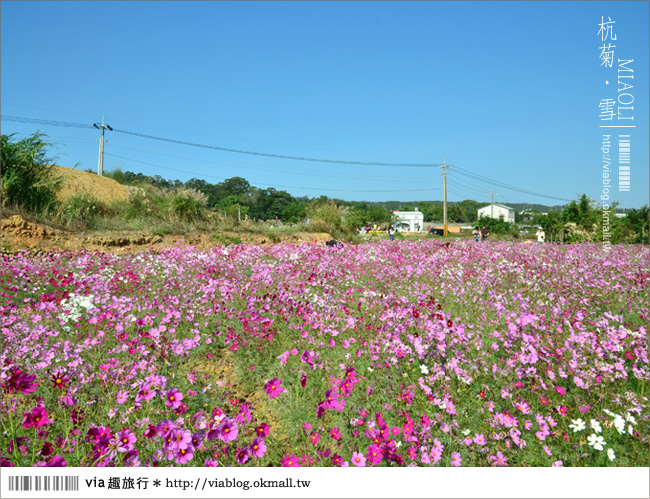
x: 389, y: 353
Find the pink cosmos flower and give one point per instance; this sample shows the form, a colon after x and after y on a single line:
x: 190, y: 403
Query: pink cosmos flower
x: 262, y: 430
x: 126, y: 439
x: 456, y: 460
x: 289, y: 461
x: 228, y: 431
x: 36, y: 419
x: 584, y: 408
x: 122, y: 396
x: 374, y: 454
x: 179, y: 438
x: 498, y: 460
x: 560, y: 390
x: 184, y: 455
x: 210, y: 463
x: 335, y: 433
x: 358, y: 459
x: 558, y: 464
x: 479, y: 439
x: 174, y: 398
x: 273, y: 388
x: 258, y: 447
x: 242, y: 455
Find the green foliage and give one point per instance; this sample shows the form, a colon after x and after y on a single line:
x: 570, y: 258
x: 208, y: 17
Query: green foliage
x: 188, y: 205
x: 82, y: 209
x: 497, y: 226
x: 27, y: 179
x: 226, y: 239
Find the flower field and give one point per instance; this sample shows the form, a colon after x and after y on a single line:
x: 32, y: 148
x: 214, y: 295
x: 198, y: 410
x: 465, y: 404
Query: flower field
x: 381, y: 354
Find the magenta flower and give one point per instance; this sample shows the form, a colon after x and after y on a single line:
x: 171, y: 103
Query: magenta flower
x: 358, y: 459
x: 179, y: 438
x: 174, y: 398
x: 145, y: 393
x: 122, y: 396
x: 498, y: 460
x: 479, y: 439
x: 165, y: 426
x: 262, y: 430
x: 273, y: 388
x: 56, y: 462
x: 36, y: 419
x: 211, y: 463
x: 22, y: 382
x: 242, y: 455
x: 184, y: 455
x: 228, y: 430
x: 374, y: 454
x: 584, y: 408
x: 126, y: 439
x: 335, y: 433
x: 560, y: 390
x: 289, y: 461
x: 258, y: 447
x: 151, y: 431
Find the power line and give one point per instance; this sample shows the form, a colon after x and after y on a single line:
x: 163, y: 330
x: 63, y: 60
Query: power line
x: 20, y: 119
x: 266, y: 169
x: 276, y: 185
x: 270, y: 155
x: 226, y: 149
x: 480, y: 178
x: 455, y: 167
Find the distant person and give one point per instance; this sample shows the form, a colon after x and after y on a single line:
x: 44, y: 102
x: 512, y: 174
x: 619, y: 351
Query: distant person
x: 477, y: 234
x: 277, y: 221
x: 391, y: 233
x: 541, y: 235
x: 485, y: 232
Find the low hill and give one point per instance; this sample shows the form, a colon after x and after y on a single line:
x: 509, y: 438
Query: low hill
x: 104, y: 189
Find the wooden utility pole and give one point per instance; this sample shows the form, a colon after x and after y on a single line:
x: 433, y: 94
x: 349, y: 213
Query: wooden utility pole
x: 492, y: 207
x: 102, y: 127
x: 444, y: 167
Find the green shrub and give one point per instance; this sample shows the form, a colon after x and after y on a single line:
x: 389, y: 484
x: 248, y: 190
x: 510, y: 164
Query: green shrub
x: 27, y: 179
x: 83, y: 209
x: 188, y: 204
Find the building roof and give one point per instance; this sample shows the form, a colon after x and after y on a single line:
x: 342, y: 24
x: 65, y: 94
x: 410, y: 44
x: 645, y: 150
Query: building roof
x: 499, y: 205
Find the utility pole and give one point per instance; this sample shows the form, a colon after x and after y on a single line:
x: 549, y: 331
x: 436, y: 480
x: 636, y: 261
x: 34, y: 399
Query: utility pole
x: 102, y: 127
x: 492, y: 207
x: 444, y: 167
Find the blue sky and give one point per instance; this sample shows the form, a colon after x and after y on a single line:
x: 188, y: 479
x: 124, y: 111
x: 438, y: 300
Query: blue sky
x: 507, y: 92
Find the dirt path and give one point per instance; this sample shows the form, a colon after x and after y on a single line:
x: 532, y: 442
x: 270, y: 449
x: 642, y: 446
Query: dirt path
x: 20, y: 234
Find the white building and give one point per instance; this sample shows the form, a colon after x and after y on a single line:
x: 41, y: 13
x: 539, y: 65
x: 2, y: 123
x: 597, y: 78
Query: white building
x: 498, y: 211
x: 413, y: 221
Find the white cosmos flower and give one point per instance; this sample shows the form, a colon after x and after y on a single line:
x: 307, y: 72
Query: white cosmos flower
x: 619, y: 423
x: 424, y: 369
x: 595, y: 425
x: 610, y: 454
x: 578, y: 425
x: 630, y: 418
x: 596, y: 441
x: 466, y: 432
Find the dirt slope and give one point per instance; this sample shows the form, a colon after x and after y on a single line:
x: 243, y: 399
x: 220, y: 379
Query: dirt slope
x: 19, y: 234
x: 80, y: 182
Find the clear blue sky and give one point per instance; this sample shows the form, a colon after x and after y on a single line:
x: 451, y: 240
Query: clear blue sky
x: 509, y: 91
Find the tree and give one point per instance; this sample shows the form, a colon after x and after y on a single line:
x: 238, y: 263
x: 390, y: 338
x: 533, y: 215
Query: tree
x: 27, y: 178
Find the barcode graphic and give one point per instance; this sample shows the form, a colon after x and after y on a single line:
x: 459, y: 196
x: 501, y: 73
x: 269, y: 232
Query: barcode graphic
x: 27, y: 483
x: 623, y: 163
